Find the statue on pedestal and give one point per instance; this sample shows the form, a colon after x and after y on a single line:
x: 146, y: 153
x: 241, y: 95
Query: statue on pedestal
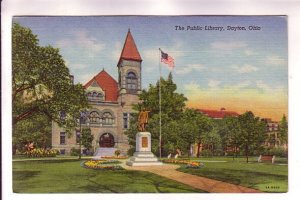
x: 143, y: 120
x: 143, y: 155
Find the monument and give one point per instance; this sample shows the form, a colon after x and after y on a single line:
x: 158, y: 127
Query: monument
x: 143, y: 155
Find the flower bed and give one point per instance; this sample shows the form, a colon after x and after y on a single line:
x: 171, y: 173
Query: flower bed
x: 102, y: 164
x: 41, y: 153
x: 188, y: 163
x: 114, y: 157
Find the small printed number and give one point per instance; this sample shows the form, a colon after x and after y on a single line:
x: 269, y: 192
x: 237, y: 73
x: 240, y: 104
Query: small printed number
x: 272, y: 187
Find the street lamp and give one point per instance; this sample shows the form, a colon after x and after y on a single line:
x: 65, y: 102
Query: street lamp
x: 81, y: 121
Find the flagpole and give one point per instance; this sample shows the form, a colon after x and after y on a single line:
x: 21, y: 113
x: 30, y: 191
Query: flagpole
x: 159, y: 102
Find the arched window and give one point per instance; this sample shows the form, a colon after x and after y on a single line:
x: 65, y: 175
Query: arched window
x: 107, y: 118
x: 131, y: 82
x: 94, y: 117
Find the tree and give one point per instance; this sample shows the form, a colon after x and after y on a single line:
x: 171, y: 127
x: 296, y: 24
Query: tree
x: 229, y: 129
x: 36, y: 129
x: 212, y: 139
x: 41, y: 83
x: 193, y: 126
x: 172, y: 105
x: 283, y: 130
x: 205, y: 126
x: 87, y: 138
x: 252, y: 134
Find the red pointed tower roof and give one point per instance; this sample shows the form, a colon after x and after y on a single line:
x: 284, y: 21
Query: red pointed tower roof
x: 130, y: 51
x: 107, y: 83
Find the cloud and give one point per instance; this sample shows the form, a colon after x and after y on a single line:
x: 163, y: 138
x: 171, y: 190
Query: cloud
x: 176, y: 50
x: 84, y: 78
x: 191, y: 87
x: 246, y: 68
x: 81, y: 40
x: 249, y: 52
x: 151, y: 56
x: 77, y: 66
x: 214, y: 84
x: 189, y: 68
x: 240, y: 85
x: 275, y: 60
x: 263, y: 86
x: 227, y: 46
x: 115, y: 54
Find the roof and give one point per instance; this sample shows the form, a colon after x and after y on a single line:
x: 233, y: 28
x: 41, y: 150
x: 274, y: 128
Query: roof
x: 218, y: 114
x: 107, y: 83
x: 130, y: 51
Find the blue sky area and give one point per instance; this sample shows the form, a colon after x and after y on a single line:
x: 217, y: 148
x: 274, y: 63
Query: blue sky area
x: 211, y: 67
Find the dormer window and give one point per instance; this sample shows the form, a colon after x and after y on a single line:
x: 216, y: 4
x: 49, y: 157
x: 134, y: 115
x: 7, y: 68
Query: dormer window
x: 95, y: 96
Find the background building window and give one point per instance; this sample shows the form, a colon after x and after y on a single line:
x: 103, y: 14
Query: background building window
x: 62, y: 115
x: 62, y: 138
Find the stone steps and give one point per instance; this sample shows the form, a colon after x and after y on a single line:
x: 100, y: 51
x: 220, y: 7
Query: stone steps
x: 143, y: 159
x: 104, y: 152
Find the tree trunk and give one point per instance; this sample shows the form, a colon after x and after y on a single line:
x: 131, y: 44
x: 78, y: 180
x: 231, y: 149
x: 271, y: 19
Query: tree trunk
x: 246, y: 151
x: 162, y: 148
x: 198, y: 149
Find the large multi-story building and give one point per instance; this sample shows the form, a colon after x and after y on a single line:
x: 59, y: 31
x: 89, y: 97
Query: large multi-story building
x: 272, y: 128
x: 111, y: 104
x: 218, y: 114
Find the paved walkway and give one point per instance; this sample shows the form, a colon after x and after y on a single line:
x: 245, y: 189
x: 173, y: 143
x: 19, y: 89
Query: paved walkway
x: 169, y: 171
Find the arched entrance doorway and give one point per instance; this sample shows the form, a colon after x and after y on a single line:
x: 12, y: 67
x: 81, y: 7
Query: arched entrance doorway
x: 106, y: 140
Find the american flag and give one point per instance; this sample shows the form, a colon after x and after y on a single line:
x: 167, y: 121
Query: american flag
x: 165, y: 58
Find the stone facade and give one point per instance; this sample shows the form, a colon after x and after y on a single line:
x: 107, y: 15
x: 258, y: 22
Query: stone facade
x: 111, y: 105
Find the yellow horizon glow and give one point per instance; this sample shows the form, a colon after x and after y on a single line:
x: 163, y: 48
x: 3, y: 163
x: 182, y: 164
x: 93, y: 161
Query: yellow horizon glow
x: 263, y: 103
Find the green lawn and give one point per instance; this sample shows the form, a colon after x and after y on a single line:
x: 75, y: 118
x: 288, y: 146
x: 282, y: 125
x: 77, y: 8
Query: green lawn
x: 278, y: 160
x: 266, y: 177
x: 67, y: 176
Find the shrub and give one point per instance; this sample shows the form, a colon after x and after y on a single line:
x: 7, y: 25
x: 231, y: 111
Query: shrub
x: 218, y: 152
x: 75, y: 152
x: 280, y: 152
x: 117, y: 152
x: 277, y: 151
x: 206, y: 153
x: 131, y: 151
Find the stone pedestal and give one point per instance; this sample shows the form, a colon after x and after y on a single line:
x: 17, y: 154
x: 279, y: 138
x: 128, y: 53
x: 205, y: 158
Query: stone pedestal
x: 143, y: 155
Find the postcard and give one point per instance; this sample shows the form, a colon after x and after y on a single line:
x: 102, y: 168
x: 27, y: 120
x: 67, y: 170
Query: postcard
x: 150, y: 104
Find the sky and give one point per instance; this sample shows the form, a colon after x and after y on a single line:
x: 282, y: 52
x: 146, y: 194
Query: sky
x: 240, y: 70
